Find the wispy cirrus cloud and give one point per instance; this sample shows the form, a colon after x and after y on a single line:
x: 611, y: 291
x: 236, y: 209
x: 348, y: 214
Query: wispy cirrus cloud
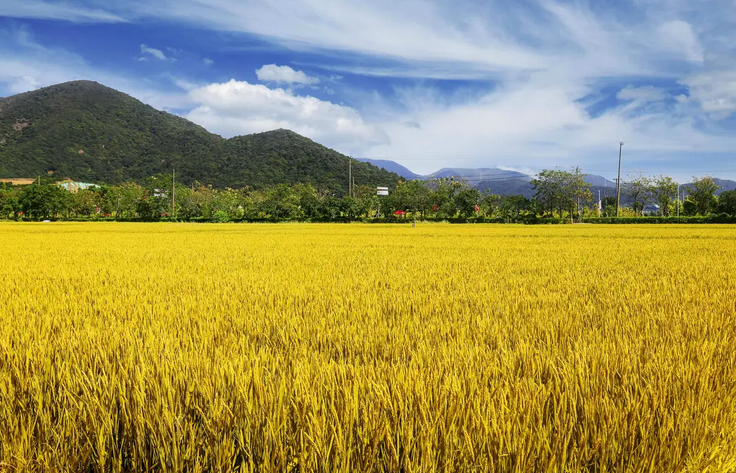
x: 500, y: 80
x: 147, y: 52
x: 67, y: 11
x: 284, y: 75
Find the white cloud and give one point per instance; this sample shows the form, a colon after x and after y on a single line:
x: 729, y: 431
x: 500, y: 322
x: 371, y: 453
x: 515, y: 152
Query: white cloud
x: 421, y: 30
x: 284, y: 75
x: 642, y: 94
x: 537, y: 124
x: 237, y: 108
x: 57, y: 11
x: 156, y: 53
x: 539, y: 65
x: 24, y: 83
x: 678, y: 36
x: 208, y: 61
x: 714, y: 91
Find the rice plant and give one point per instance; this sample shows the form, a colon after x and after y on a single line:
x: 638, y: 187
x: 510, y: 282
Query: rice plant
x: 163, y: 347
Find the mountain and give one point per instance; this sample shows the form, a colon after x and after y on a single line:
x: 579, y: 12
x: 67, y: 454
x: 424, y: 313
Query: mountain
x: 89, y: 132
x: 507, y: 187
x: 723, y: 186
x: 598, y: 181
x: 391, y: 166
x: 475, y: 176
x: 484, y: 178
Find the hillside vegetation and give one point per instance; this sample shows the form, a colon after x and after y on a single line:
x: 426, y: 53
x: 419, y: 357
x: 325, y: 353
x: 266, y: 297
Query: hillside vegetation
x: 89, y: 132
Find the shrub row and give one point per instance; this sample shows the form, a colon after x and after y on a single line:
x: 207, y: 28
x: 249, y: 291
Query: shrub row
x: 712, y: 218
x: 526, y: 219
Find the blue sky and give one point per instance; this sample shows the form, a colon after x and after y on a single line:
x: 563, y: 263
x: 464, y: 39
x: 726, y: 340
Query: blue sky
x: 526, y: 85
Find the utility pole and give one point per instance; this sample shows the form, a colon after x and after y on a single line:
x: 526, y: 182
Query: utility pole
x: 350, y: 176
x: 678, y: 202
x: 600, y: 203
x: 618, y: 181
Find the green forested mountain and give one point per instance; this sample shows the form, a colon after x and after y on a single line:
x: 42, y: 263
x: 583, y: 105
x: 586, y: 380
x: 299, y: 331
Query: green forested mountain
x: 90, y: 132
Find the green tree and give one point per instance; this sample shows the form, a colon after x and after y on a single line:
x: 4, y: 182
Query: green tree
x: 549, y: 187
x: 577, y: 190
x: 689, y: 207
x: 43, y: 201
x: 282, y: 203
x: 441, y: 196
x: 197, y: 201
x: 609, y: 206
x: 561, y: 190
x: 513, y: 207
x: 727, y: 203
x: 367, y: 197
x: 466, y: 201
x: 230, y: 201
x: 702, y: 194
x: 122, y: 200
x: 330, y: 207
x: 489, y: 203
x: 412, y: 196
x: 86, y: 202
x: 639, y: 190
x: 9, y: 205
x: 352, y: 207
x: 664, y: 188
x: 252, y: 203
x: 309, y: 199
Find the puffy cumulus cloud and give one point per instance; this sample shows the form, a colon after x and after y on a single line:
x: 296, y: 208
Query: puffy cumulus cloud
x: 238, y: 107
x: 642, y: 94
x: 284, y: 75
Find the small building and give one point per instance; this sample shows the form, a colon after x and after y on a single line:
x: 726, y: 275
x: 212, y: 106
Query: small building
x: 18, y: 181
x: 74, y: 186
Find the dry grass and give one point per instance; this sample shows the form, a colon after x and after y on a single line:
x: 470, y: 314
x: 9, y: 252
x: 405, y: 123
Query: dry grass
x: 135, y: 347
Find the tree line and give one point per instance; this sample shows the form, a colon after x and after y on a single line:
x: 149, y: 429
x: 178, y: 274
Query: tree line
x: 559, y: 194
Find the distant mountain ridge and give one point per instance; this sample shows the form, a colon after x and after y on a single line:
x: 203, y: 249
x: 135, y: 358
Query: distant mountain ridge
x: 390, y: 166
x: 89, y: 132
x: 496, y: 180
x: 723, y: 186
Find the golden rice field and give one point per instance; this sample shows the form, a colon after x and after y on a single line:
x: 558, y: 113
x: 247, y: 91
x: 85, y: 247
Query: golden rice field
x: 296, y: 347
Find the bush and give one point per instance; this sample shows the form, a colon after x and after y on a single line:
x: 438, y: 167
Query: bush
x: 220, y: 217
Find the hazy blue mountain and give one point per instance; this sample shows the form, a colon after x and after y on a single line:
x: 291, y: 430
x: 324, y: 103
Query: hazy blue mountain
x: 390, y: 166
x: 477, y: 175
x: 507, y: 187
x: 723, y: 185
x: 599, y: 181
